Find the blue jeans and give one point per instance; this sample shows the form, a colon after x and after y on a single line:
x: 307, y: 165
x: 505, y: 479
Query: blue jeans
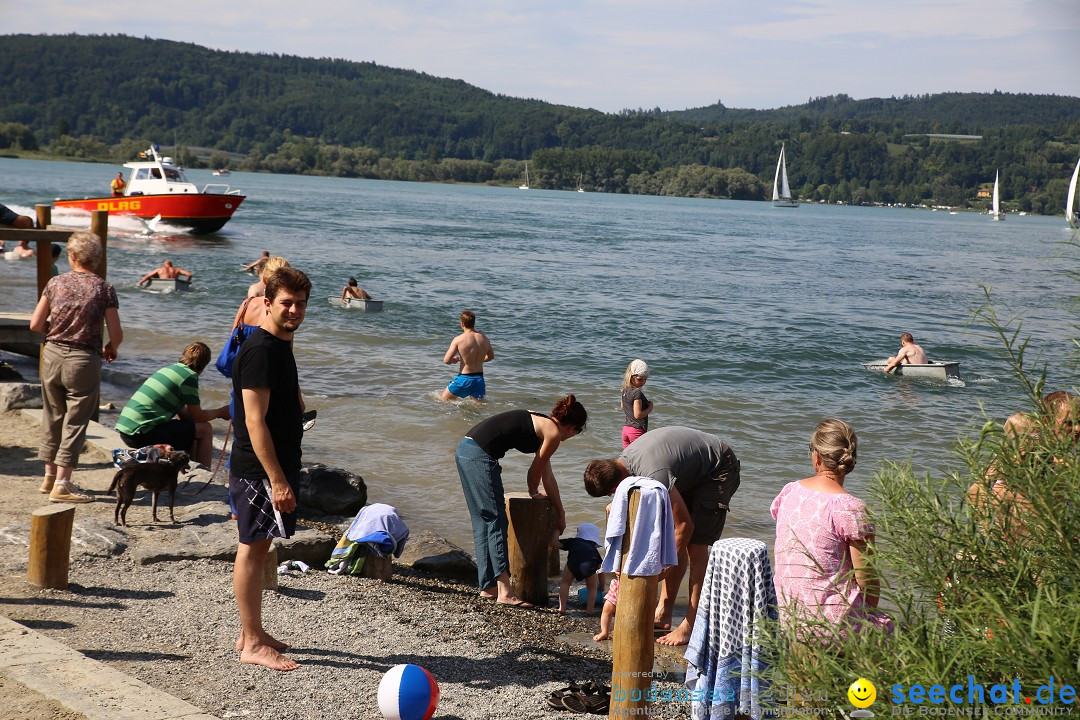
x: 481, y: 481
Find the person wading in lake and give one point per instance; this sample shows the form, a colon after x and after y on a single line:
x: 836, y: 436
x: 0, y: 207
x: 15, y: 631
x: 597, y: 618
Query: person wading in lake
x: 265, y: 465
x: 471, y: 349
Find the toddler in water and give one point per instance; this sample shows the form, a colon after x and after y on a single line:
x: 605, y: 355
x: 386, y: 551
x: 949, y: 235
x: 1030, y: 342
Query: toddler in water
x: 636, y: 407
x: 582, y: 562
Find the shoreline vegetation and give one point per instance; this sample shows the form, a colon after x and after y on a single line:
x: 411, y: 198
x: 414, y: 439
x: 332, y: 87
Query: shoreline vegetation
x: 107, y: 97
x: 444, y: 174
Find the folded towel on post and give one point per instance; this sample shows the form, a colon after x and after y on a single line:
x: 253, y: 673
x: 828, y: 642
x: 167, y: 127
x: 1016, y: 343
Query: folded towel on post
x: 652, y: 547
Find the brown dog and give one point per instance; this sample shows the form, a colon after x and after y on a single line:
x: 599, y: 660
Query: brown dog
x: 155, y: 477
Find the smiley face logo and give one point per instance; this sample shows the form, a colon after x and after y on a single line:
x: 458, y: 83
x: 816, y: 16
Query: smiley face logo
x: 862, y: 693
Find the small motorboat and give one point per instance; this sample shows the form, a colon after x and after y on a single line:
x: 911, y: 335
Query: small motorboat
x: 220, y: 172
x: 157, y: 187
x: 932, y: 370
x: 357, y: 304
x: 166, y: 285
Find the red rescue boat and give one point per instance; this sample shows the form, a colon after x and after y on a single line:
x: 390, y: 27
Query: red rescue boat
x: 157, y: 186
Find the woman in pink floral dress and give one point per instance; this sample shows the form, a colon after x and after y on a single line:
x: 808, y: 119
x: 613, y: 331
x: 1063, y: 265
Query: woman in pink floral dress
x: 822, y: 538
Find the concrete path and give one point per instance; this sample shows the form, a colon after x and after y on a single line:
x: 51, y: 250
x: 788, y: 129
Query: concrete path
x: 83, y: 685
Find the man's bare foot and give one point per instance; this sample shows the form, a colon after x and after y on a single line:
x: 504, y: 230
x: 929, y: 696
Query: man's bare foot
x: 488, y: 596
x: 268, y: 657
x: 266, y: 640
x: 600, y: 636
x: 679, y: 636
x: 562, y: 611
x: 662, y: 623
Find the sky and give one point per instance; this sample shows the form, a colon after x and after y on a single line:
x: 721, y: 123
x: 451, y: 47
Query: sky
x: 627, y: 54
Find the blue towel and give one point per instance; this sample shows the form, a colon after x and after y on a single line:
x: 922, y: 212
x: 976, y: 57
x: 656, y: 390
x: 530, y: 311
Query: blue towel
x: 652, y: 547
x: 375, y: 518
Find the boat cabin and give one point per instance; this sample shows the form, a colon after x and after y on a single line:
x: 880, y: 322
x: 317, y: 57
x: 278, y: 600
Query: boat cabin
x: 157, y: 175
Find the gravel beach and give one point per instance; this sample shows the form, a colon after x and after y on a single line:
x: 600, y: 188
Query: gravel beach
x: 173, y: 624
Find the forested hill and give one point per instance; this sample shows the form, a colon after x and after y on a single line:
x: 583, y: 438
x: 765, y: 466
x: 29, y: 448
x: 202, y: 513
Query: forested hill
x: 958, y: 113
x: 105, y: 97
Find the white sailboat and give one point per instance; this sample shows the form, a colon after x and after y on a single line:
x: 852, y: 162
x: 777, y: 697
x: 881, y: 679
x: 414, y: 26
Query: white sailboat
x: 1070, y: 202
x: 996, y: 211
x: 581, y: 177
x: 781, y: 193
x: 525, y: 185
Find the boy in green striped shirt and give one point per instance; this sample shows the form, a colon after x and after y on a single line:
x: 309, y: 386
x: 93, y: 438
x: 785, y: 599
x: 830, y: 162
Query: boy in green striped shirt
x: 166, y: 409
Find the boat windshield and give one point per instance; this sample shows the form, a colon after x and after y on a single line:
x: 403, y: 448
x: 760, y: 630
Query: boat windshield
x: 173, y: 175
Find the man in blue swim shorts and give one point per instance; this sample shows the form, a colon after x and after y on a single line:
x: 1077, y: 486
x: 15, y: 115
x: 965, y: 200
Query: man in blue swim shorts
x: 471, y: 349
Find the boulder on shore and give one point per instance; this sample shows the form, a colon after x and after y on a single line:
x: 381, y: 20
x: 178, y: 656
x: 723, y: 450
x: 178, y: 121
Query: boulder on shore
x: 332, y: 491
x: 16, y: 395
x: 436, y: 555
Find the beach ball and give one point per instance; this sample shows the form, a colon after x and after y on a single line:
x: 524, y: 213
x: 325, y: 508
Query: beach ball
x: 408, y: 692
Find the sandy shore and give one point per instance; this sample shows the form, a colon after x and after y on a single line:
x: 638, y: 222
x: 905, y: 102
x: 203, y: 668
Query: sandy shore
x: 172, y: 625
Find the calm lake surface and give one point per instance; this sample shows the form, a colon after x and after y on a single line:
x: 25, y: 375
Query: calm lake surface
x: 754, y: 320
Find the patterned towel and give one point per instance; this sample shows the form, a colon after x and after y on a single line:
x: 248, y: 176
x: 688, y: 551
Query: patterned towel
x: 725, y: 657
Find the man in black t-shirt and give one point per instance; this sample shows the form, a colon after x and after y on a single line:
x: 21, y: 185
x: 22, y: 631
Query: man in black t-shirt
x: 265, y: 465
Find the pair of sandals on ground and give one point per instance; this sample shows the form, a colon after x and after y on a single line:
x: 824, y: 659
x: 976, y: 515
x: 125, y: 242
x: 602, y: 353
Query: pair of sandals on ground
x: 588, y: 697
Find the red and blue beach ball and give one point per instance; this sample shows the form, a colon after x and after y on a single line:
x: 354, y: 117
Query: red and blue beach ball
x: 408, y: 692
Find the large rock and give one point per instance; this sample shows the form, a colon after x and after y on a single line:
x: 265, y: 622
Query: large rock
x: 91, y: 538
x: 16, y: 395
x: 309, y: 545
x: 332, y: 491
x: 436, y: 555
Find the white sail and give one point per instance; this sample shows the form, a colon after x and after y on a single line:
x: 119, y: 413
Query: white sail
x: 776, y: 178
x: 526, y: 185
x: 785, y: 191
x: 781, y: 192
x: 997, y: 198
x: 1070, y: 202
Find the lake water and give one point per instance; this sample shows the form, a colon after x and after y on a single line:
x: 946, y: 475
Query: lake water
x: 754, y: 320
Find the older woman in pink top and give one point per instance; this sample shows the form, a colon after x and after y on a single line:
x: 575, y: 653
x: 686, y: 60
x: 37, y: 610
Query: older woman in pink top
x: 822, y: 538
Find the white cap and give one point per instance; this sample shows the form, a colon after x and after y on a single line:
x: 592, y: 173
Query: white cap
x: 588, y: 531
x: 638, y: 367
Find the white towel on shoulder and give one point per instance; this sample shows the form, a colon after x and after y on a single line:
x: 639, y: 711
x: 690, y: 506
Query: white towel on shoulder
x: 652, y: 547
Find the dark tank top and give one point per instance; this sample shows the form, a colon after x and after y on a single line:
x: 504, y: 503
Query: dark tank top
x: 511, y: 429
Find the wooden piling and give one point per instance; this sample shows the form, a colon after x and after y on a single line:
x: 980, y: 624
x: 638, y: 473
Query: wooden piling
x: 270, y: 570
x: 99, y: 225
x: 633, y: 643
x: 528, y: 540
x: 376, y: 567
x: 50, y: 545
x: 44, y: 216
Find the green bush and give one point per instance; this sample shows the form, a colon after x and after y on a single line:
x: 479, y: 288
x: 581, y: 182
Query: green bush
x: 984, y: 588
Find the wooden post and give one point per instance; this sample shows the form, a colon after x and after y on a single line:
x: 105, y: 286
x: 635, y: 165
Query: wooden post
x: 528, y: 539
x: 50, y: 545
x: 376, y: 567
x: 44, y: 216
x: 632, y: 654
x: 270, y: 570
x: 44, y: 249
x: 99, y: 225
